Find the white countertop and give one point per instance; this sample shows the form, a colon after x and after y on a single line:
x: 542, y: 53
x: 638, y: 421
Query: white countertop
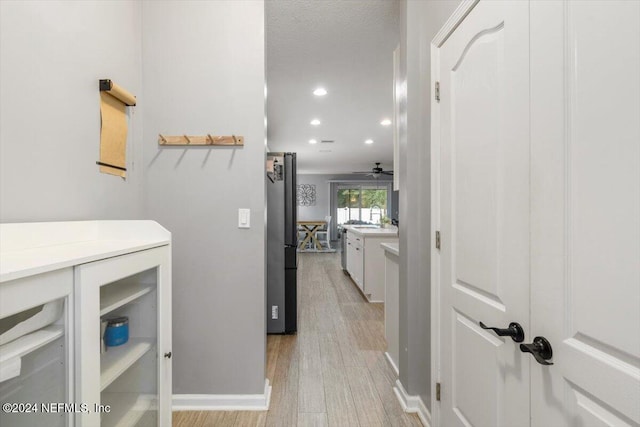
x: 393, y: 248
x: 392, y: 231
x: 33, y: 248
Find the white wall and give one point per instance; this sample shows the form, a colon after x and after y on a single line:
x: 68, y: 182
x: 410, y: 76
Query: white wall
x: 52, y: 55
x: 203, y: 72
x: 420, y: 21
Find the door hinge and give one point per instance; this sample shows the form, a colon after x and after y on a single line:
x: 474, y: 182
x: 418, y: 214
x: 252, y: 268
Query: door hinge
x: 438, y: 392
x: 437, y: 91
x: 437, y: 239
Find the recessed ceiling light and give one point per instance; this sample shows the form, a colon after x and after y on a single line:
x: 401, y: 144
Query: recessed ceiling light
x: 315, y: 122
x: 369, y: 141
x: 320, y: 91
x: 312, y: 141
x: 385, y: 122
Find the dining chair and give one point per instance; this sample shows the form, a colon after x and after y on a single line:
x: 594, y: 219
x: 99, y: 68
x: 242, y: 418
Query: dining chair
x: 325, y: 231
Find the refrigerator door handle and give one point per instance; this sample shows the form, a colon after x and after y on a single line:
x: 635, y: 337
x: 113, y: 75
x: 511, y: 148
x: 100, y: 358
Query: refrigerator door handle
x: 290, y: 200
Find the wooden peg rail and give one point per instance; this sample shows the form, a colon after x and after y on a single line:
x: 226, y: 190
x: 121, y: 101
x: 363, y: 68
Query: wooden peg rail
x: 226, y: 141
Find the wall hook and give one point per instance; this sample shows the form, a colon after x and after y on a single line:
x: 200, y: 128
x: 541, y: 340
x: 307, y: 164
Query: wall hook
x: 196, y: 140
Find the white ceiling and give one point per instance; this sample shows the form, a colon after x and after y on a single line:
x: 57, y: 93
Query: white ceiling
x: 347, y: 48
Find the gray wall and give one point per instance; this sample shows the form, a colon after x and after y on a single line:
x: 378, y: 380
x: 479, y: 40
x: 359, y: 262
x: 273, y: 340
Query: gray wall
x: 321, y: 208
x: 323, y: 196
x: 420, y: 21
x: 321, y: 181
x: 52, y: 55
x: 204, y: 73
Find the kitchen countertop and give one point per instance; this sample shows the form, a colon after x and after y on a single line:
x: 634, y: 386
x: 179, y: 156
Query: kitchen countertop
x: 392, y: 231
x: 393, y: 248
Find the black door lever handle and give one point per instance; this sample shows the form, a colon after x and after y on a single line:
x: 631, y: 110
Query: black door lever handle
x: 541, y: 350
x: 514, y: 331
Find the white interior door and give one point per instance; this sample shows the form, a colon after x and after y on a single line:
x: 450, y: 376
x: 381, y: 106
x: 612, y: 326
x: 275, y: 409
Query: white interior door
x: 484, y: 216
x: 586, y: 212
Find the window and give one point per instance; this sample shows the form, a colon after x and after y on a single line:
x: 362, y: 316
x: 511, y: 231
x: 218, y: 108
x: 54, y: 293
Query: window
x: 361, y: 203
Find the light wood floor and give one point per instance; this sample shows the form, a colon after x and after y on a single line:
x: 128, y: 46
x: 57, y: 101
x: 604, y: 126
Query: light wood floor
x: 333, y: 372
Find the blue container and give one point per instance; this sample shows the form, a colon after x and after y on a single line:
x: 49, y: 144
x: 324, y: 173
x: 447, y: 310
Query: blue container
x: 117, y: 332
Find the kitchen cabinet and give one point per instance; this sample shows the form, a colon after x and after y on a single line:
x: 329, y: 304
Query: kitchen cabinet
x: 349, y: 248
x: 35, y: 357
x: 133, y: 379
x: 103, y: 269
x: 355, y: 259
x: 365, y: 258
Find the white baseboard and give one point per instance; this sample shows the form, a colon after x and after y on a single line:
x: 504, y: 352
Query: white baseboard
x: 412, y: 404
x: 392, y: 363
x: 223, y: 402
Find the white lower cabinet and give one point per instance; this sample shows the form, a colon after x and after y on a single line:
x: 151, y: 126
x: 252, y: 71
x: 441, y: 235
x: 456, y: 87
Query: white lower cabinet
x: 359, y: 266
x: 365, y: 261
x: 131, y: 382
x: 355, y: 259
x: 58, y: 283
x: 351, y: 257
x: 373, y: 266
x: 35, y: 336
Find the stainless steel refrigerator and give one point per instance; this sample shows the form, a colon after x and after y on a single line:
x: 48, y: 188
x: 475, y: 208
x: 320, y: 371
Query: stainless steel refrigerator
x: 282, y: 242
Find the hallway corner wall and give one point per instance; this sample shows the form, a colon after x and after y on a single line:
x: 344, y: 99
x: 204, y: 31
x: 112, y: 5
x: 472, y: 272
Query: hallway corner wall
x: 420, y: 22
x: 204, y: 73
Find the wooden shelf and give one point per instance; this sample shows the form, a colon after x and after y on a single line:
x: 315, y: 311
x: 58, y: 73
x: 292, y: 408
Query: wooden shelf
x: 117, y: 294
x: 126, y: 408
x: 30, y: 342
x: 117, y: 360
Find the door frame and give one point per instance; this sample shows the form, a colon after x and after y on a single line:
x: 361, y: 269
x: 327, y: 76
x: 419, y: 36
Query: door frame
x: 461, y: 12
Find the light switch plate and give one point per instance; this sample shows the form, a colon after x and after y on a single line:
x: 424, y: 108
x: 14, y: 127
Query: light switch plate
x: 244, y: 218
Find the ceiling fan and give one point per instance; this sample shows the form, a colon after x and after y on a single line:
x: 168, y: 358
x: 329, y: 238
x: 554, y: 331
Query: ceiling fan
x: 376, y: 171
